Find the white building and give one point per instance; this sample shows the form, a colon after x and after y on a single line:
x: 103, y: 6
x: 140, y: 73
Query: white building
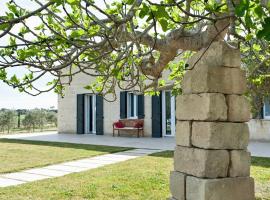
x: 84, y: 113
x: 81, y: 112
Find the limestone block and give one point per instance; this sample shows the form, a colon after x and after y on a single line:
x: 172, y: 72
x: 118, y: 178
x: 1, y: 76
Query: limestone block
x: 241, y: 188
x: 201, y: 162
x: 218, y: 54
x: 183, y: 133
x: 178, y: 185
x: 240, y: 163
x: 220, y: 135
x: 206, y: 106
x: 238, y: 108
x: 214, y: 79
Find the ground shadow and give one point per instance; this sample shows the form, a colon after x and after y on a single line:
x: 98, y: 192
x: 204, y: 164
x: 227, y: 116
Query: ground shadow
x: 102, y: 148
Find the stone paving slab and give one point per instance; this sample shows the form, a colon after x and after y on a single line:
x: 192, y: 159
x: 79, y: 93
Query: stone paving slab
x: 83, y: 164
x: 23, y: 176
x: 98, y: 161
x: 5, y: 182
x: 47, y: 172
x: 63, y: 169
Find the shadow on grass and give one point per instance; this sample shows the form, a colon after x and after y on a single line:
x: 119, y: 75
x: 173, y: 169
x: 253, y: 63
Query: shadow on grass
x: 260, y: 162
x: 164, y: 154
x: 102, y: 148
x: 255, y: 161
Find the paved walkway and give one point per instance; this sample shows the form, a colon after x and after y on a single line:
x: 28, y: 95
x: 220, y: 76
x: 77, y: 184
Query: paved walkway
x: 261, y: 149
x: 167, y: 143
x: 62, y: 169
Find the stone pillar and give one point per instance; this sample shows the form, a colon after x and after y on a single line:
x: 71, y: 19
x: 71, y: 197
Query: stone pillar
x: 211, y: 161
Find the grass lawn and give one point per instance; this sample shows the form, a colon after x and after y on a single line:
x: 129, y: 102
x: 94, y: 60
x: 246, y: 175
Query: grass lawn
x: 139, y: 179
x: 16, y: 155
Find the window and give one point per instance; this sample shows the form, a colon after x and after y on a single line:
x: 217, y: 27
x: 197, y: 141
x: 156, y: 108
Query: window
x: 266, y: 109
x: 132, y: 102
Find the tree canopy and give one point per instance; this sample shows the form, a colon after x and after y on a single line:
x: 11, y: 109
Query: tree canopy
x: 123, y: 43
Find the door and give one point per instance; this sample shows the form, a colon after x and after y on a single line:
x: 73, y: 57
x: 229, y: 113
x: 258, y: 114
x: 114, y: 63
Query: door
x: 157, y: 116
x: 168, y: 113
x: 90, y: 114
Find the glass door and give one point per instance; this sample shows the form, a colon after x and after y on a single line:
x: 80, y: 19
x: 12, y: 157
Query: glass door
x: 90, y: 114
x: 168, y: 114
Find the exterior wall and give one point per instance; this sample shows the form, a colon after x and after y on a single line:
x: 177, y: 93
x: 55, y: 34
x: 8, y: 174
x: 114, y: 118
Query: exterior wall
x: 67, y: 108
x: 259, y: 129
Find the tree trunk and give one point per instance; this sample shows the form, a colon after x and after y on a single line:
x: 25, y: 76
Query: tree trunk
x: 19, y: 119
x: 211, y: 160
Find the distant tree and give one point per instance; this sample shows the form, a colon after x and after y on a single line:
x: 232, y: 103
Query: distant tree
x: 2, y: 125
x: 29, y: 121
x: 51, y: 117
x: 35, y: 118
x: 7, y: 119
x: 40, y: 118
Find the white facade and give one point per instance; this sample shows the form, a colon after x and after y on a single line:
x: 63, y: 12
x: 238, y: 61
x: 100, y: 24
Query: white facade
x: 67, y: 108
x: 259, y: 129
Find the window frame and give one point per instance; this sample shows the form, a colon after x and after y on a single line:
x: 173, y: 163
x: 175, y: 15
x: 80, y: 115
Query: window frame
x: 264, y: 111
x: 135, y: 105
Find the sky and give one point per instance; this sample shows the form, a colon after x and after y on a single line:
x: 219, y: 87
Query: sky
x: 13, y: 99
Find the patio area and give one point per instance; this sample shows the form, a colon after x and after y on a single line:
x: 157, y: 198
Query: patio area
x: 260, y: 149
x: 167, y: 143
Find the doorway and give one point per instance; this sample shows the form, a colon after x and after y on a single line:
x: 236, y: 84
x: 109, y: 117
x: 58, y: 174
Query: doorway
x: 90, y: 114
x: 168, y: 113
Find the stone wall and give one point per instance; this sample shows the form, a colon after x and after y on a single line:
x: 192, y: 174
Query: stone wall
x: 211, y: 161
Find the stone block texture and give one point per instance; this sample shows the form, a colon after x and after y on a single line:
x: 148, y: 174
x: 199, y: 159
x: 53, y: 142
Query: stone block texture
x: 214, y: 79
x: 206, y: 106
x: 220, y: 135
x: 201, y: 162
x: 241, y: 188
x: 238, y: 108
x: 211, y: 161
x: 240, y: 163
x: 218, y: 54
x: 178, y: 185
x: 183, y: 133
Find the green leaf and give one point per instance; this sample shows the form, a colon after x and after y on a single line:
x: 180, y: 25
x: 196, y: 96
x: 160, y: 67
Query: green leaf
x: 241, y: 8
x: 164, y: 24
x: 129, y: 2
x: 256, y: 47
x: 73, y: 2
x: 160, y: 11
x: 259, y: 11
x: 14, y: 79
x: 144, y: 11
x: 265, y: 32
x: 3, y: 74
x: 3, y: 26
x: 249, y: 37
x: 13, y: 9
x: 248, y: 20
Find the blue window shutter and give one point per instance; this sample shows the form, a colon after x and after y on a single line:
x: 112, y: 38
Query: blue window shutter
x: 123, y: 105
x: 156, y: 117
x: 140, y: 106
x: 99, y: 115
x: 80, y: 114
